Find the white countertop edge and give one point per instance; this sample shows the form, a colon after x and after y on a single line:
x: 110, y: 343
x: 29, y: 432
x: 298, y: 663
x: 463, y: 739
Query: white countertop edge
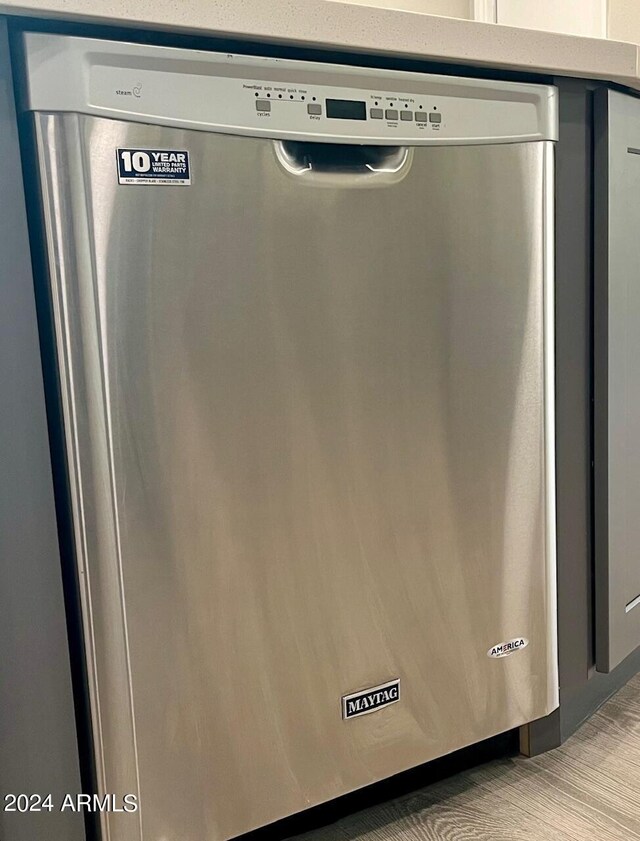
x: 362, y: 29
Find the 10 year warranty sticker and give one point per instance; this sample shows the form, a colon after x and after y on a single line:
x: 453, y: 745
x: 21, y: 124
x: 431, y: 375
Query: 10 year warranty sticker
x: 153, y: 166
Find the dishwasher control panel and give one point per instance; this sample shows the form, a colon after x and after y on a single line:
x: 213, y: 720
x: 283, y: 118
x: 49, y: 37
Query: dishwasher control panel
x: 399, y: 111
x: 280, y: 98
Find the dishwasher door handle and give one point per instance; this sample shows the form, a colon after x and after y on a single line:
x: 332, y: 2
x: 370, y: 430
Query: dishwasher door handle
x: 344, y: 164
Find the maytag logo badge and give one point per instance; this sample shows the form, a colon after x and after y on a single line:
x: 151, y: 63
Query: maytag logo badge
x: 370, y: 700
x: 506, y: 649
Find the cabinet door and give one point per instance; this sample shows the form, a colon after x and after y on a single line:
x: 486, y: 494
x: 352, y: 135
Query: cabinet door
x: 617, y: 379
x: 38, y: 741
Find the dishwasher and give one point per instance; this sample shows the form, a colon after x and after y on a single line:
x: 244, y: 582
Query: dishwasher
x: 303, y: 331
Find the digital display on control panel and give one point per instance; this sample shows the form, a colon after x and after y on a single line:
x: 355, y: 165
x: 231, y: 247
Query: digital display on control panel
x: 346, y: 109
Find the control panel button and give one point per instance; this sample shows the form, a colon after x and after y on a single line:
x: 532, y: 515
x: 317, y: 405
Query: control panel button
x: 435, y: 118
x: 314, y: 109
x: 421, y: 117
x: 406, y: 115
x: 391, y: 114
x: 376, y: 113
x: 263, y: 105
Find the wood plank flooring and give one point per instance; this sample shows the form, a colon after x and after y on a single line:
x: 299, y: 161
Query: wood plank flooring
x: 587, y: 790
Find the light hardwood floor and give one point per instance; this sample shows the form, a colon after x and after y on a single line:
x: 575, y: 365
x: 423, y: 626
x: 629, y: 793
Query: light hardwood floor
x: 587, y: 790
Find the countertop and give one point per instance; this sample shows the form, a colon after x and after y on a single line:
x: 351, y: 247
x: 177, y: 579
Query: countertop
x: 362, y: 29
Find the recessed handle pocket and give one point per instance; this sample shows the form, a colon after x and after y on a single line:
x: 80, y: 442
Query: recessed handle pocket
x: 344, y: 164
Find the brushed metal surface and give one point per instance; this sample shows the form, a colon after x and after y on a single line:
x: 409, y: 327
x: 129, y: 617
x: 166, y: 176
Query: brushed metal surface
x: 306, y: 430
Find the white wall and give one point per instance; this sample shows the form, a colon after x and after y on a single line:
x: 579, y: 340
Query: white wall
x: 577, y: 17
x: 624, y: 20
x: 448, y: 8
x: 617, y: 19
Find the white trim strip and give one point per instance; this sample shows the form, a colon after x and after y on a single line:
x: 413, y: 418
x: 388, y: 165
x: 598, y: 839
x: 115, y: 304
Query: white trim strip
x: 633, y: 603
x: 485, y: 11
x: 550, y: 414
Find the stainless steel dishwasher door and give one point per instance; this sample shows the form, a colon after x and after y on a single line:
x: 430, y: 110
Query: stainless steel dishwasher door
x: 306, y: 427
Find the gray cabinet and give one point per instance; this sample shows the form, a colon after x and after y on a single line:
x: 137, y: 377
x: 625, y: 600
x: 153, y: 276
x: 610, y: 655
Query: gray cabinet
x: 38, y: 745
x: 617, y: 378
